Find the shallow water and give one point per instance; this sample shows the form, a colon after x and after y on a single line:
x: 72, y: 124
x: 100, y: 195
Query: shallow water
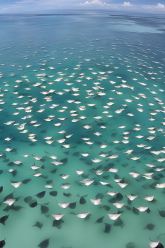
x: 69, y: 53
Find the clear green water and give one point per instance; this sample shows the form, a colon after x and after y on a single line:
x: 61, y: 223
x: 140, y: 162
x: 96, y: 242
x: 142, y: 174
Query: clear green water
x: 79, y: 46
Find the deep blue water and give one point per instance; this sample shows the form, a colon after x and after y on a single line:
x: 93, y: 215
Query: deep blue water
x: 115, y: 61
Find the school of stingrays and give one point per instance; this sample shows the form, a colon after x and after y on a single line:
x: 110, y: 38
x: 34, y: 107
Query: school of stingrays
x: 69, y: 115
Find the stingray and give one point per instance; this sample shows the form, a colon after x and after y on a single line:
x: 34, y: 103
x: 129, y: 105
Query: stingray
x: 46, y: 152
x: 53, y: 193
x: 89, y: 163
x: 3, y: 219
x: 82, y: 199
x: 129, y: 201
x: 135, y: 211
x: 10, y: 164
x: 33, y: 204
x: 79, y: 142
x: 44, y: 209
x: 43, y: 176
x: 153, y: 201
x: 118, y: 222
x: 140, y: 179
x: 38, y: 224
x: 153, y: 244
x: 49, y: 181
x: 99, y: 196
x: 76, y: 154
x: 162, y: 213
x: 98, y: 142
x: 148, y: 210
x: 152, y: 186
x: 17, y: 198
x: 88, y: 217
x: 43, y: 131
x: 78, y: 183
x: 97, y: 183
x: 99, y: 220
x: 2, y: 243
x: 130, y: 245
x: 54, y: 171
x: 119, y: 197
x: 26, y: 181
x: 160, y: 175
x: 150, y: 227
x: 5, y: 160
x: 116, y: 176
x: 14, y: 150
x: 156, y: 178
x: 125, y: 165
x: 72, y: 205
x: 16, y: 208
x: 85, y: 175
x: 119, y: 149
x: 145, y: 186
x: 107, y: 228
x: 1, y: 189
x: 10, y: 196
x: 112, y: 200
x: 58, y: 223
x: 57, y: 216
x: 64, y: 160
x: 44, y: 244
x: 41, y: 194
x: 82, y: 159
x: 160, y: 246
x: 73, y: 213
x: 28, y: 199
x: 32, y: 144
x: 67, y: 194
x: 123, y: 180
x: 127, y: 207
x: 107, y: 208
x: 66, y: 152
x: 98, y: 167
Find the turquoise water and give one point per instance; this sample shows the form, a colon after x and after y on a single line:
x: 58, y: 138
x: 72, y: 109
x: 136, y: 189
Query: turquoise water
x: 116, y: 63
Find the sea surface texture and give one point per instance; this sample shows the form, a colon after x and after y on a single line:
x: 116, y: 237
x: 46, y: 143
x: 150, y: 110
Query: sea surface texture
x: 82, y: 130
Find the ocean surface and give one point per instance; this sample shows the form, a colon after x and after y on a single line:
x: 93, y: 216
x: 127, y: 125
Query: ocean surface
x: 82, y: 121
